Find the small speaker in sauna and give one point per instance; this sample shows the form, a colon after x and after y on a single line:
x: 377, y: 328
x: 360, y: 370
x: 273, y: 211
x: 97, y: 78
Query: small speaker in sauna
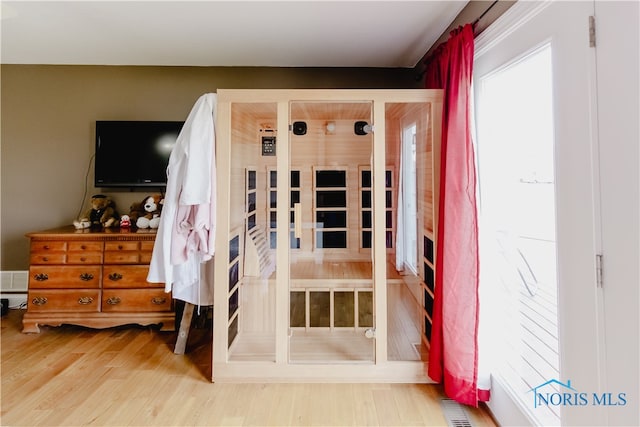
x: 362, y: 128
x: 299, y: 128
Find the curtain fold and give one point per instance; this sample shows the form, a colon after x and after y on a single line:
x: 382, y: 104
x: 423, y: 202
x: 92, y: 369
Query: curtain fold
x: 453, y: 355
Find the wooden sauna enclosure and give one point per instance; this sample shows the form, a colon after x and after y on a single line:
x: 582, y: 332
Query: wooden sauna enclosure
x: 325, y: 255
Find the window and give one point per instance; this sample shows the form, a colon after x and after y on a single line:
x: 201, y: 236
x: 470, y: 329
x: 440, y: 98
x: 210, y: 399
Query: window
x: 330, y: 209
x: 518, y: 236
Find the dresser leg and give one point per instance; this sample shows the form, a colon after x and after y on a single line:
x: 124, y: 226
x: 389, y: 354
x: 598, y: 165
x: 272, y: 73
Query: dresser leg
x: 30, y: 327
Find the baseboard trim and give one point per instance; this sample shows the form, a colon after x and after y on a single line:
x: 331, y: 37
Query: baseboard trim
x: 503, y: 408
x: 16, y: 300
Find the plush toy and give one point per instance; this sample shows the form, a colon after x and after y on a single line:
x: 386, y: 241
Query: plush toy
x: 101, y: 214
x: 136, y: 211
x: 125, y: 221
x: 147, y: 213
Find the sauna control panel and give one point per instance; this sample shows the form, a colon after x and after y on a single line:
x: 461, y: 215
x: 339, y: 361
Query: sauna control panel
x: 268, y: 145
x: 268, y: 139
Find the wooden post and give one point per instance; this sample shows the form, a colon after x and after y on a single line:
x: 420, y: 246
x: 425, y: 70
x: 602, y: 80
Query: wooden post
x: 185, y: 325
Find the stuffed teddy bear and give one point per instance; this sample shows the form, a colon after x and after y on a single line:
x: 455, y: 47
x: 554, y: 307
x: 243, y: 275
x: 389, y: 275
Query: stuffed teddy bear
x: 102, y: 214
x: 146, y: 214
x: 136, y: 211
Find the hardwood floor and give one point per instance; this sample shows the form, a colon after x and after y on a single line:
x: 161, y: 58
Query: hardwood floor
x: 129, y: 376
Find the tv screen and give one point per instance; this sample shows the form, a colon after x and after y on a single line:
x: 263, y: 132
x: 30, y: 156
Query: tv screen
x: 134, y: 153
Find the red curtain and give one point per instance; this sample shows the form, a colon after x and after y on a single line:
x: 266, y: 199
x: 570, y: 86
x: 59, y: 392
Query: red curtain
x: 453, y: 356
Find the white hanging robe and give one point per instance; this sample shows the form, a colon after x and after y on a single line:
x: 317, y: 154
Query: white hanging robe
x: 184, y: 247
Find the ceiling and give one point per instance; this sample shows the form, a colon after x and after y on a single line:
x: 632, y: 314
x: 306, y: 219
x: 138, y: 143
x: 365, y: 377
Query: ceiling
x: 223, y: 33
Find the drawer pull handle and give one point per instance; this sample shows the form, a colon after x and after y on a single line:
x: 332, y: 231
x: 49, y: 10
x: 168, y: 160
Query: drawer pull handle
x: 85, y: 300
x: 46, y: 247
x: 114, y: 301
x: 158, y: 300
x: 115, y: 277
x: 120, y: 247
x: 83, y: 259
x: 39, y: 301
x: 83, y: 247
x: 86, y: 277
x: 41, y: 277
x: 45, y: 259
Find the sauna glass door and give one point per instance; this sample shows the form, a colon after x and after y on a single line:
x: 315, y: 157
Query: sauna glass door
x: 251, y: 291
x: 331, y: 271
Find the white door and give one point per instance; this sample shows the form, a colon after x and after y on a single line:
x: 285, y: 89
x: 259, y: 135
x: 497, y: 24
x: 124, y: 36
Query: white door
x: 618, y: 65
x: 538, y: 189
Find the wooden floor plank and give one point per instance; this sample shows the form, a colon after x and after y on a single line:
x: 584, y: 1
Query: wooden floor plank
x: 282, y: 412
x: 386, y: 408
x: 363, y: 406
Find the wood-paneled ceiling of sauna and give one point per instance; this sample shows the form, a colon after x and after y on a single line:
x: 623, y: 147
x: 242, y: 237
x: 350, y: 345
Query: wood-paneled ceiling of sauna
x: 307, y: 110
x: 318, y: 110
x: 399, y: 109
x: 331, y: 110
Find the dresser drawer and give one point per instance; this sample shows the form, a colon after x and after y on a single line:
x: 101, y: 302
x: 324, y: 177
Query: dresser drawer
x: 48, y: 258
x: 68, y: 300
x: 145, y: 258
x: 85, y: 247
x: 84, y: 258
x: 128, y: 257
x: 147, y: 245
x: 127, y: 276
x: 121, y: 246
x: 136, y: 300
x: 48, y: 246
x: 64, y: 277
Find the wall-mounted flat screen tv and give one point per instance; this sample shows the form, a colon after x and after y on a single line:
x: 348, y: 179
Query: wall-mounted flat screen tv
x: 134, y: 153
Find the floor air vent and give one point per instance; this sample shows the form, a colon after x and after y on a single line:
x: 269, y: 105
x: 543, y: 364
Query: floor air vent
x: 455, y: 414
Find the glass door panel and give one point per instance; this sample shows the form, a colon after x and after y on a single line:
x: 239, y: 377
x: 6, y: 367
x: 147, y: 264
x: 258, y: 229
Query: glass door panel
x: 410, y: 220
x: 252, y: 277
x: 331, y: 270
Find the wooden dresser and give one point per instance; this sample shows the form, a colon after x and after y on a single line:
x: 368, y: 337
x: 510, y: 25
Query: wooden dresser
x: 94, y: 278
